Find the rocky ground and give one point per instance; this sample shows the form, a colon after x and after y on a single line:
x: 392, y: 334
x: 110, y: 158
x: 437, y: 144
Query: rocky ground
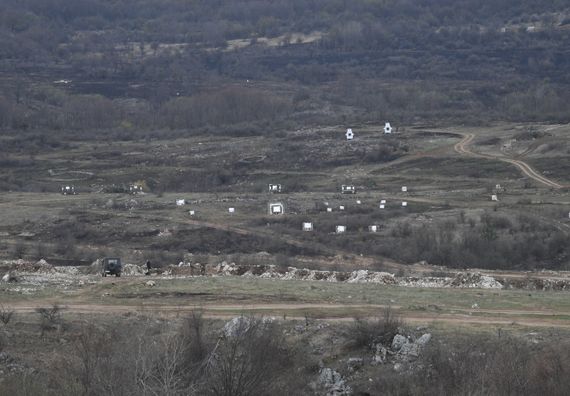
x: 26, y: 276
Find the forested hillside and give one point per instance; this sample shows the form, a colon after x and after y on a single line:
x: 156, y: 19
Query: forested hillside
x: 172, y: 65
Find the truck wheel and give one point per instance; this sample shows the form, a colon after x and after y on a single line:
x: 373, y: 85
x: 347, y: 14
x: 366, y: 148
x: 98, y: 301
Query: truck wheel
x: 118, y: 274
x: 104, y: 274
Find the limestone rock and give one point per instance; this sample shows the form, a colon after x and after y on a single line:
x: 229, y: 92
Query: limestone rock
x: 353, y: 364
x: 333, y: 384
x: 398, y: 342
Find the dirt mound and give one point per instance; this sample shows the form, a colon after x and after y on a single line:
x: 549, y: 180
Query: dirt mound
x: 40, y: 267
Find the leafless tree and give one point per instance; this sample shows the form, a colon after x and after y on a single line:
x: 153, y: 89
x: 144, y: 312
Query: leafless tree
x: 247, y: 361
x: 50, y: 318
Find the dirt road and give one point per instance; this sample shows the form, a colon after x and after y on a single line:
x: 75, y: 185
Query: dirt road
x: 462, y: 148
x: 301, y: 311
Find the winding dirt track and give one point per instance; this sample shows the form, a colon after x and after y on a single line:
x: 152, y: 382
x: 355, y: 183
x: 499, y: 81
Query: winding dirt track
x: 462, y: 148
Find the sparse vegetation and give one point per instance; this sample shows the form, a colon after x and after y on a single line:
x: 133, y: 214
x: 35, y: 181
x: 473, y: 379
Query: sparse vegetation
x: 367, y: 333
x: 139, y: 355
x: 50, y: 318
x: 211, y: 101
x: 488, y: 365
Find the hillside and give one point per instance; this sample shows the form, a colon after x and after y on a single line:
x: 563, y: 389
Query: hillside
x: 146, y: 64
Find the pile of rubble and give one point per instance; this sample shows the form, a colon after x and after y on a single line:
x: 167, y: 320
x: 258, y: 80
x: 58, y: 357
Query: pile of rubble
x: 461, y: 280
x: 293, y: 273
x: 41, y: 271
x: 365, y: 276
x: 537, y: 284
x: 40, y: 274
x: 133, y: 270
x: 40, y: 267
x: 474, y: 280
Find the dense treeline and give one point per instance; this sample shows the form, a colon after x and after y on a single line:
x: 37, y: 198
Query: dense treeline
x: 61, y: 111
x: 170, y: 20
x: 472, y: 60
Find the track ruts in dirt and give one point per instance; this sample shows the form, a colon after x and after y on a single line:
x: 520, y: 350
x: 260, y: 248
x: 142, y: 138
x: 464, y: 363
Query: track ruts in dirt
x: 462, y: 148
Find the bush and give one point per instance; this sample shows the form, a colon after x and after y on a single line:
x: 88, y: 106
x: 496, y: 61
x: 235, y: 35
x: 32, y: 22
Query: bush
x: 22, y: 384
x: 248, y: 362
x: 196, y: 345
x: 483, y: 365
x: 380, y: 330
x: 6, y: 314
x: 50, y: 318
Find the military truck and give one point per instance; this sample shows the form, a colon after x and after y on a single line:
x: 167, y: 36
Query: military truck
x: 112, y: 266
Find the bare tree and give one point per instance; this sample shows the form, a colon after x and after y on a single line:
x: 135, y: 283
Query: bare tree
x: 50, y: 318
x: 246, y: 362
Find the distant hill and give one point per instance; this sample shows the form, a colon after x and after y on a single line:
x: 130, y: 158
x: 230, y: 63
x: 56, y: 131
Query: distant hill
x: 471, y: 61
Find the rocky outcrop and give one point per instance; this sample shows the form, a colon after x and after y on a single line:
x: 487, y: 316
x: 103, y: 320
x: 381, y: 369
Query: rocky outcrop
x: 354, y: 364
x: 408, y: 349
x: 332, y: 383
x: 242, y: 324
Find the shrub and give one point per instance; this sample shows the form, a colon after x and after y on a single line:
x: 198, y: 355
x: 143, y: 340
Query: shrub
x: 380, y: 330
x: 249, y: 361
x: 50, y: 318
x: 6, y: 314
